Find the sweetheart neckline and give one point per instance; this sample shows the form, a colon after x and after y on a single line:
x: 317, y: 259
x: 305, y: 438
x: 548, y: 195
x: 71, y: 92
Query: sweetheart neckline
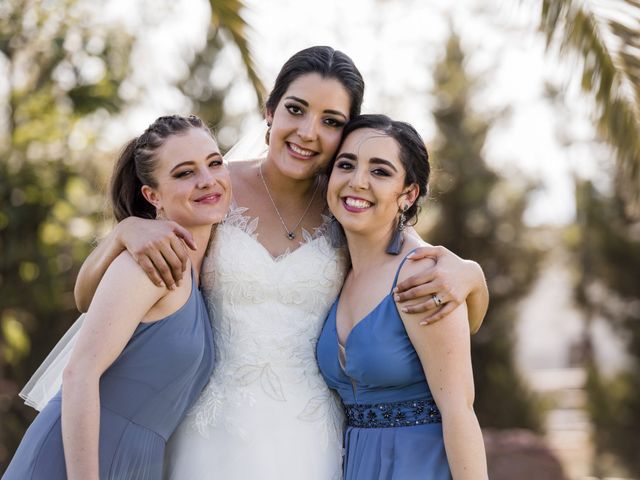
x: 284, y: 255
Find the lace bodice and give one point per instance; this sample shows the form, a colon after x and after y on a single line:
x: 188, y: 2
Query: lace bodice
x: 267, y: 314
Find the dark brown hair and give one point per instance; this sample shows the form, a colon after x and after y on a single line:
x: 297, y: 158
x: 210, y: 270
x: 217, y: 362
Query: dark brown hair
x: 326, y: 62
x: 413, y: 152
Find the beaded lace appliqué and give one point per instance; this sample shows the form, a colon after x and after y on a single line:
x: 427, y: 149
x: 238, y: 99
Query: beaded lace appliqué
x: 267, y: 314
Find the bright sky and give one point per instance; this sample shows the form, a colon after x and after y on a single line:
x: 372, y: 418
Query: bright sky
x: 395, y: 44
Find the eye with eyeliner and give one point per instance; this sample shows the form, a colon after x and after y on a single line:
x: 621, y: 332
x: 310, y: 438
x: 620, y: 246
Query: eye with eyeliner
x: 381, y: 172
x: 294, y: 108
x: 344, y: 165
x: 334, y: 122
x: 183, y: 174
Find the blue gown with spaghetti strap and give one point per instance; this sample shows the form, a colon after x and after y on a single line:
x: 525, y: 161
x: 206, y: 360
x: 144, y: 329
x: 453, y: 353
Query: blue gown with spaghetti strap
x: 143, y: 396
x: 394, y: 428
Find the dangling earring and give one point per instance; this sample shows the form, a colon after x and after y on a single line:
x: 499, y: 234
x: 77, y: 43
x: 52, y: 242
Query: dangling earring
x: 268, y: 134
x: 397, y: 239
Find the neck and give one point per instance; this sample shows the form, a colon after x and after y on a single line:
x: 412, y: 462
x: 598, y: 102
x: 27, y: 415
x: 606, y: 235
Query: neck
x: 286, y: 188
x: 201, y: 236
x: 368, y: 249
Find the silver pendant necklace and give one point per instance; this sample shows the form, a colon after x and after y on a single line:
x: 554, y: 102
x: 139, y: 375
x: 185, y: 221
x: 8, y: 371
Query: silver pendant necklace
x: 291, y: 235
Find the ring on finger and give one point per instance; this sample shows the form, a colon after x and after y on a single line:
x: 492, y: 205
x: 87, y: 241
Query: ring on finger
x: 437, y: 300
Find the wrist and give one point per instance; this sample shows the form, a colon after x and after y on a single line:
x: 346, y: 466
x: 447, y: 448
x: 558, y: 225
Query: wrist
x: 120, y: 233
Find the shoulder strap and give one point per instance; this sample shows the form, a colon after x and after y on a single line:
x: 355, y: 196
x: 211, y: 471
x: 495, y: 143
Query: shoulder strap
x: 395, y: 279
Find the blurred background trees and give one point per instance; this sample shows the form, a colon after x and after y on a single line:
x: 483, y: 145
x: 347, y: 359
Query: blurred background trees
x: 478, y: 214
x: 606, y: 247
x: 67, y: 77
x: 65, y: 71
x: 603, y: 40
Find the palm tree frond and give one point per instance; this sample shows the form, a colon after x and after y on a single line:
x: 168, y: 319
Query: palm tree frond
x: 227, y: 15
x: 606, y: 39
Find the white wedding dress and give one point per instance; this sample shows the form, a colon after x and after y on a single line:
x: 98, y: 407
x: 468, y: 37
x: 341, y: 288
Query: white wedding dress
x: 266, y: 412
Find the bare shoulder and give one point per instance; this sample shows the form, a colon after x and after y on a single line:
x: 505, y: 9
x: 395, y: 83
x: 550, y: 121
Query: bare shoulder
x: 129, y: 274
x: 242, y: 169
x: 414, y: 267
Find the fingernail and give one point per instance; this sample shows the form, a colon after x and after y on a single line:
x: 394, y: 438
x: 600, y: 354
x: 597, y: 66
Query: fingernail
x: 404, y: 309
x: 424, y: 323
x: 396, y: 298
x: 395, y: 289
x: 411, y: 255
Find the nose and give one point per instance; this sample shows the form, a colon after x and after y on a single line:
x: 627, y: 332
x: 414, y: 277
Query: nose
x: 307, y: 130
x: 359, y: 178
x: 206, y: 179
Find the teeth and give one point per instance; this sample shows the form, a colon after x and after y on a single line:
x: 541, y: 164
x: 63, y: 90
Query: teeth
x: 356, y: 203
x: 300, y: 151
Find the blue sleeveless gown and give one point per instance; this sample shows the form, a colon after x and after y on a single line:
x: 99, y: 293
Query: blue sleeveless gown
x: 394, y: 428
x: 143, y: 396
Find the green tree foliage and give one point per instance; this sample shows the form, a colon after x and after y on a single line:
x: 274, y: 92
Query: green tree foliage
x: 62, y: 73
x: 477, y: 213
x: 227, y: 29
x: 604, y: 38
x: 606, y: 246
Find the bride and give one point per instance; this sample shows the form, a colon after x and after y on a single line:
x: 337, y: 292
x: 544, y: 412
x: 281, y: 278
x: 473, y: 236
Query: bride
x: 269, y: 278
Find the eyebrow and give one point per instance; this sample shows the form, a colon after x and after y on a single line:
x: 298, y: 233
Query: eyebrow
x: 306, y: 104
x: 191, y: 162
x: 375, y: 160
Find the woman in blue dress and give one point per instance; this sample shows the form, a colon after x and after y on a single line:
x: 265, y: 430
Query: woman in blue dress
x: 144, y: 352
x: 407, y: 389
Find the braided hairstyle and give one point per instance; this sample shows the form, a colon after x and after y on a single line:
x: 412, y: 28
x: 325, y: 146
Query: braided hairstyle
x: 137, y: 162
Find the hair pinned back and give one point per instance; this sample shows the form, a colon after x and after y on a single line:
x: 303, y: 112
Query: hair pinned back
x: 137, y: 162
x: 326, y: 62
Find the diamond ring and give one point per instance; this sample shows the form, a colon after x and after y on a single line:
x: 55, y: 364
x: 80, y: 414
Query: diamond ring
x: 436, y: 300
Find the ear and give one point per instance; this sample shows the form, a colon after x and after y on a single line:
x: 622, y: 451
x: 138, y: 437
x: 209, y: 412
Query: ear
x: 151, y: 196
x: 268, y: 116
x: 411, y: 193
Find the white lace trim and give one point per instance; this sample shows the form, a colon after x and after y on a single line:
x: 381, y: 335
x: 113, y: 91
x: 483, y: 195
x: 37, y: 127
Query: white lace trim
x: 267, y: 314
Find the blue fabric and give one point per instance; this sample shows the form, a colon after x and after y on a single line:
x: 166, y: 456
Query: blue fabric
x: 144, y: 394
x: 382, y: 384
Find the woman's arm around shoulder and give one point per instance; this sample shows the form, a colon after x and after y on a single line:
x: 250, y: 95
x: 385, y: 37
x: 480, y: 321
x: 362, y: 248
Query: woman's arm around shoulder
x: 453, y: 279
x: 158, y: 246
x: 445, y: 353
x: 123, y: 297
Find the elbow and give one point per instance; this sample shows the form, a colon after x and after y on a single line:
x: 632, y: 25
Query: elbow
x: 81, y: 303
x: 74, y: 378
x: 69, y: 375
x: 456, y: 407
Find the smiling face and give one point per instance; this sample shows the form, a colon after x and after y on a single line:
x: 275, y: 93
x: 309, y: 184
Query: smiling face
x: 306, y: 125
x: 193, y: 185
x: 366, y: 188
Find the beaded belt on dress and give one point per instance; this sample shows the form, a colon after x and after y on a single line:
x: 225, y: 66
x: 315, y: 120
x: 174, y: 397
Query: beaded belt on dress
x: 395, y: 414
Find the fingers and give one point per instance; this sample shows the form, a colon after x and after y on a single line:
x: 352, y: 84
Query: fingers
x: 177, y: 249
x: 427, y: 303
x: 427, y: 252
x: 150, y: 270
x: 420, y: 307
x: 416, y: 289
x: 439, y: 314
x: 185, y: 235
x: 163, y: 268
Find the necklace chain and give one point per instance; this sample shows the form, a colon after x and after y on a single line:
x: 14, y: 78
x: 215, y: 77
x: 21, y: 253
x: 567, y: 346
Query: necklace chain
x: 291, y: 235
